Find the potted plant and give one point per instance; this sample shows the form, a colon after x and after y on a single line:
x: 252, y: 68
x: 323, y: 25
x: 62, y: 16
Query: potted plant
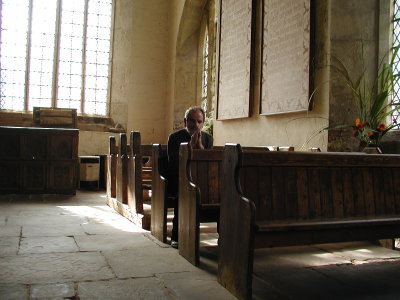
x: 374, y: 100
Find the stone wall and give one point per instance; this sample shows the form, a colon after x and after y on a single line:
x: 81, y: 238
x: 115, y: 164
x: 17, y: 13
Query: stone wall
x: 295, y: 129
x: 354, y: 37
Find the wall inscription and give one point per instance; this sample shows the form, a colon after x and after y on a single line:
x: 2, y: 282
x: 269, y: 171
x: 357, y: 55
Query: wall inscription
x: 234, y: 59
x: 286, y: 56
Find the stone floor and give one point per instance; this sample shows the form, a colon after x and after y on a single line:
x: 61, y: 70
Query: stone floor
x: 76, y: 247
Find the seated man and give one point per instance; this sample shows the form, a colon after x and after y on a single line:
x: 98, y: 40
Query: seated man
x: 194, y: 121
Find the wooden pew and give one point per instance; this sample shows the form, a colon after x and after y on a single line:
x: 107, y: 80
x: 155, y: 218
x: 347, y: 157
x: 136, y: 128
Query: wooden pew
x: 159, y: 197
x: 199, y: 193
x: 129, y: 180
x: 138, y: 181
x: 299, y: 198
x: 160, y: 201
x: 122, y: 170
x: 199, y: 176
x: 147, y: 172
x: 112, y: 168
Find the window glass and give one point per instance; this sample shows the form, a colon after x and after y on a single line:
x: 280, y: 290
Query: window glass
x: 59, y: 60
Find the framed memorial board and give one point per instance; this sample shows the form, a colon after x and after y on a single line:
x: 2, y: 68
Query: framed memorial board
x: 286, y: 56
x: 234, y: 64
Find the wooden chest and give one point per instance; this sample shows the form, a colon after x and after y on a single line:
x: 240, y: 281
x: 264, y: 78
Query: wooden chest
x: 38, y: 160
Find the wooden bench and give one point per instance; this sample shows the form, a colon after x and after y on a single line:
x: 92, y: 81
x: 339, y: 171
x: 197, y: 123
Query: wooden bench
x: 160, y: 201
x: 128, y: 179
x: 199, y: 178
x: 199, y: 193
x: 112, y: 168
x: 159, y: 197
x: 299, y: 198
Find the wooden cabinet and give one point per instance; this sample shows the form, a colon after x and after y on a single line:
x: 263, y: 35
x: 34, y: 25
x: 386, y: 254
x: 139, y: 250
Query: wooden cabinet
x: 38, y: 160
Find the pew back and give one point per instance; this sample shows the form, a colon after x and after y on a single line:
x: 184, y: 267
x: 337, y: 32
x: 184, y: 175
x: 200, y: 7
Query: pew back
x: 129, y: 179
x: 312, y: 186
x: 159, y: 197
x: 297, y: 198
x: 122, y: 170
x: 200, y: 175
x: 112, y: 168
x: 199, y: 199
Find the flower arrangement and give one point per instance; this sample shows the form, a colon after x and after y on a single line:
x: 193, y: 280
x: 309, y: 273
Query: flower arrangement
x: 375, y: 100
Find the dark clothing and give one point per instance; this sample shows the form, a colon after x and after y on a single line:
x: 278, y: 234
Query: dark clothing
x: 174, y: 141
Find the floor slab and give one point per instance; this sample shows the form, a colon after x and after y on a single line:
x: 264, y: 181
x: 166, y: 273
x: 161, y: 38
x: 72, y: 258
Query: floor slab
x: 9, y: 246
x: 141, y: 288
x: 79, y: 248
x: 115, y: 241
x: 45, y: 244
x: 53, y: 230
x: 52, y: 291
x: 161, y: 260
x: 13, y: 230
x: 54, y: 268
x: 14, y: 291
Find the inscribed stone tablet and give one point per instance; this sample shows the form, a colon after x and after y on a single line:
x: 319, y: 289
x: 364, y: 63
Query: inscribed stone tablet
x: 234, y: 60
x: 286, y: 56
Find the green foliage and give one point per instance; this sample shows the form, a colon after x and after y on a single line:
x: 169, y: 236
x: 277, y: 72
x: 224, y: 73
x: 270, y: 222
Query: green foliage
x: 208, y: 124
x: 374, y: 99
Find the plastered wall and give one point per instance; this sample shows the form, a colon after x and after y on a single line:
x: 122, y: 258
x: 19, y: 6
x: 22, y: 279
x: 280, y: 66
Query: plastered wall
x: 354, y: 39
x: 141, y: 70
x: 296, y: 129
x: 343, y: 27
x: 154, y: 80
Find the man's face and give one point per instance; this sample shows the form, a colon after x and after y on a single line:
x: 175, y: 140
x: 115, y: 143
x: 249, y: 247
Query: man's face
x: 194, y: 122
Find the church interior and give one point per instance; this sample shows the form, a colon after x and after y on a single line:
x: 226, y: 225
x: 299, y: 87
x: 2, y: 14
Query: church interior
x: 90, y: 91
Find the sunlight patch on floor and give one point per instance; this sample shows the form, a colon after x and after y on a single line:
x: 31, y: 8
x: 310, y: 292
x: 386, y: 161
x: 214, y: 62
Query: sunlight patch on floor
x: 105, y: 215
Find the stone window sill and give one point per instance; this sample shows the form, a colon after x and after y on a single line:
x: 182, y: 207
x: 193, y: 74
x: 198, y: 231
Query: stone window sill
x: 87, y: 123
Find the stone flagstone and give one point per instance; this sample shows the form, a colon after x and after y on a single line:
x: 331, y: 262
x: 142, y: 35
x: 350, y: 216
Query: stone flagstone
x: 47, y: 245
x: 54, y: 268
x: 141, y: 288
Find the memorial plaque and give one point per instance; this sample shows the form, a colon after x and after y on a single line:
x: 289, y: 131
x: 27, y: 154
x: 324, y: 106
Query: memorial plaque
x: 234, y: 59
x: 286, y: 56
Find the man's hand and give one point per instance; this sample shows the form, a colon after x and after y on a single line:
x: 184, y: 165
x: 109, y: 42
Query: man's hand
x: 195, y: 140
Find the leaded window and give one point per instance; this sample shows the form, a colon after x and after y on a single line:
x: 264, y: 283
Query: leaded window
x: 55, y: 53
x: 396, y: 42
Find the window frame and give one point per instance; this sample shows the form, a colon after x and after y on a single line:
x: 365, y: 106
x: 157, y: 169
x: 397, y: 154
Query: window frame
x: 56, y: 61
x: 392, y: 45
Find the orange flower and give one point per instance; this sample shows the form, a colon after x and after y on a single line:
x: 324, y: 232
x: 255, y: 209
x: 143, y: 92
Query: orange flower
x: 381, y: 127
x: 369, y: 133
x: 358, y: 123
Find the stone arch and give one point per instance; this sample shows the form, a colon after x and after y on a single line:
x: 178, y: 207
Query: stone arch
x: 186, y: 63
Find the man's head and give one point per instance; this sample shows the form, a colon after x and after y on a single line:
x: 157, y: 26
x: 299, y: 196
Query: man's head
x: 194, y: 119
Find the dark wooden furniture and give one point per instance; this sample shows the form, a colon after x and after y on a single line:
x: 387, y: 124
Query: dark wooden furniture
x: 112, y: 158
x: 122, y: 170
x: 129, y: 178
x: 199, y: 187
x: 38, y: 160
x: 160, y: 202
x: 159, y: 196
x: 199, y: 193
x: 55, y: 117
x: 299, y: 198
x: 139, y: 179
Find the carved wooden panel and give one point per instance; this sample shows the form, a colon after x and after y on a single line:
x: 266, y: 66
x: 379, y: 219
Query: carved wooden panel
x: 62, y: 176
x: 9, y: 177
x: 34, y: 176
x: 38, y: 160
x: 286, y: 56
x: 9, y: 145
x: 34, y: 146
x: 61, y: 147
